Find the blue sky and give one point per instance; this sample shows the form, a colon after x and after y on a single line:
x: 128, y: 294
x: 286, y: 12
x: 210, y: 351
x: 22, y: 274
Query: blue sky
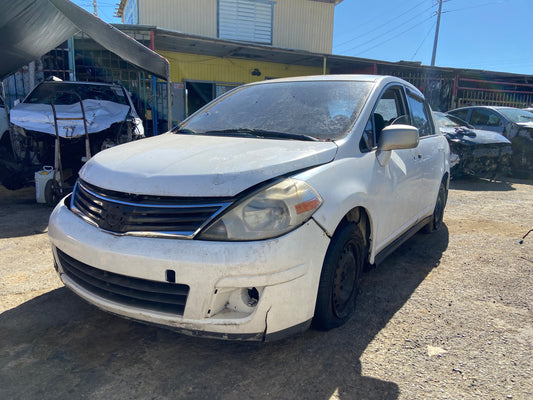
x: 494, y: 35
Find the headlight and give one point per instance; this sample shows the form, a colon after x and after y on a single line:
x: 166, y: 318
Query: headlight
x: 271, y: 212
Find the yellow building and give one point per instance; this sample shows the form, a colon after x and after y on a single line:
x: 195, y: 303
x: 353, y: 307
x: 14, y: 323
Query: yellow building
x: 215, y: 45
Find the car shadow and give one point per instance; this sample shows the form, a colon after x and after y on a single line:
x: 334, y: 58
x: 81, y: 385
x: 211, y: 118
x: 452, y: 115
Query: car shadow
x: 487, y: 185
x: 57, y: 346
x: 20, y: 205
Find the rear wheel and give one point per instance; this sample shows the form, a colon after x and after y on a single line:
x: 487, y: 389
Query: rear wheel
x: 438, y: 212
x: 339, y: 281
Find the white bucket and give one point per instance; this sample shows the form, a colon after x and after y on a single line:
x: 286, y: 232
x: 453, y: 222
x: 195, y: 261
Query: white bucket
x: 41, y: 178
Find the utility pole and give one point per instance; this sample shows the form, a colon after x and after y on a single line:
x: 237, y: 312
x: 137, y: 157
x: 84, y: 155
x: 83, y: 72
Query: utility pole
x: 95, y: 6
x: 436, y: 34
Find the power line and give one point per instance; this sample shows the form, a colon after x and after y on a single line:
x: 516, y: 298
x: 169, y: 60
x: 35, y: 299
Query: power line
x: 390, y: 31
x: 399, y: 34
x: 423, y: 40
x: 383, y: 23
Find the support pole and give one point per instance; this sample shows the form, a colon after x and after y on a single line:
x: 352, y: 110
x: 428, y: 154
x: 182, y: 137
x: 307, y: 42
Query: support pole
x: 436, y: 35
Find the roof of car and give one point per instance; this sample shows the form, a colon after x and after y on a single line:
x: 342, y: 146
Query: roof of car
x: 490, y: 107
x: 341, y: 77
x: 81, y: 83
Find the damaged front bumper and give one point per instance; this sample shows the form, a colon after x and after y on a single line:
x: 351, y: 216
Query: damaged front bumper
x: 481, y: 160
x: 258, y: 290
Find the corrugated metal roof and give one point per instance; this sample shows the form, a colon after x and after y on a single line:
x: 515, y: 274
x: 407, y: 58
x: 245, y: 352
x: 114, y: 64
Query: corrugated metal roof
x: 193, y: 44
x: 31, y: 28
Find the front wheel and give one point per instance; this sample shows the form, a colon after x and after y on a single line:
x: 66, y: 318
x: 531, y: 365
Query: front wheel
x: 438, y: 212
x: 339, y: 281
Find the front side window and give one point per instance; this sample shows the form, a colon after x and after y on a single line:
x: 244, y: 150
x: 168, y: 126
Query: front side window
x: 481, y: 117
x: 420, y: 114
x: 460, y: 113
x: 389, y: 109
x: 246, y: 20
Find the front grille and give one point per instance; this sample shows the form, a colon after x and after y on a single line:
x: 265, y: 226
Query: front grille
x: 135, y: 292
x: 123, y: 213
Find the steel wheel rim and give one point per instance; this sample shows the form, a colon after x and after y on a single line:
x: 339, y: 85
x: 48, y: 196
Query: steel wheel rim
x: 344, y: 281
x: 439, y: 208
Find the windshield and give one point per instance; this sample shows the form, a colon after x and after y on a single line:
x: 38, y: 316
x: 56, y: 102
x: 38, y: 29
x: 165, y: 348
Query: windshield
x: 516, y: 115
x: 62, y: 93
x: 324, y: 110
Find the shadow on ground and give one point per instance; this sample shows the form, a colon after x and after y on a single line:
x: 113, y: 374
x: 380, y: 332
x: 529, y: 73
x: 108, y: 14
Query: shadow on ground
x: 487, y: 185
x: 57, y: 347
x: 20, y: 205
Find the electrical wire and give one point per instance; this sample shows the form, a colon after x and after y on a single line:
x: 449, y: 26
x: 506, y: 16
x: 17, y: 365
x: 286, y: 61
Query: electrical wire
x: 388, y: 38
x: 391, y: 30
x: 431, y: 29
x: 384, y: 23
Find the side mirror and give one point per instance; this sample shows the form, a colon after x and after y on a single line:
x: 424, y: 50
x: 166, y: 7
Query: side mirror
x: 397, y: 137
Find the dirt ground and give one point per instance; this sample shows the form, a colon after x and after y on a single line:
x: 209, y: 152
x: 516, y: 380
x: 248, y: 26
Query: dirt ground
x: 447, y: 316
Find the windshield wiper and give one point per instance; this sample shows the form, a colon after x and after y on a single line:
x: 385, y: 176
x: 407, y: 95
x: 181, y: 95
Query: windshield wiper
x: 186, y: 131
x: 259, y: 133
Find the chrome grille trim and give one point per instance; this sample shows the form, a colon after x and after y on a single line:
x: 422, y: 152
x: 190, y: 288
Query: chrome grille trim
x: 153, y: 217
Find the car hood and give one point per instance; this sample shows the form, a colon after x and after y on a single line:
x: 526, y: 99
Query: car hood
x: 528, y: 125
x: 474, y: 136
x: 99, y: 115
x: 206, y: 166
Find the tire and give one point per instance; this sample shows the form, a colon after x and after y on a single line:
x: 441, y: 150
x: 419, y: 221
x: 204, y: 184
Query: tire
x: 340, y: 278
x: 438, y: 212
x: 50, y: 193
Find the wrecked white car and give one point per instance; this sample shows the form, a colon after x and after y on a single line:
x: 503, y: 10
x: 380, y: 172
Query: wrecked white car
x: 76, y: 112
x: 258, y: 215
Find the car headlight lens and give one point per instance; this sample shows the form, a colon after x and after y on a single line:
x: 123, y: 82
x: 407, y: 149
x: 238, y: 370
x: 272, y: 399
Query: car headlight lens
x: 271, y: 212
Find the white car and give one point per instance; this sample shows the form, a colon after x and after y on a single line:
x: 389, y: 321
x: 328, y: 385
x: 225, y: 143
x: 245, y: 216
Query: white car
x: 258, y: 215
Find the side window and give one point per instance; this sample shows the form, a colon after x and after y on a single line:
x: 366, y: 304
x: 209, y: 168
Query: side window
x: 420, y: 114
x: 389, y: 109
x: 367, y: 142
x: 461, y: 114
x: 484, y: 117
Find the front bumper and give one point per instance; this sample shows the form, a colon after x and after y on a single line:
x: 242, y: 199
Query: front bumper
x: 282, y: 274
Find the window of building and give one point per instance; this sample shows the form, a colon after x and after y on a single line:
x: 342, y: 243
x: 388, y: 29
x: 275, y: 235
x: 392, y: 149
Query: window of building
x: 246, y: 20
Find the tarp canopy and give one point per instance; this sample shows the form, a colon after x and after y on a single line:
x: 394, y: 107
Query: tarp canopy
x: 31, y: 28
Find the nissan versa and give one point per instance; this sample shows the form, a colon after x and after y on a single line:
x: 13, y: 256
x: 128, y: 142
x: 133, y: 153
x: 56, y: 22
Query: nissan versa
x: 256, y: 216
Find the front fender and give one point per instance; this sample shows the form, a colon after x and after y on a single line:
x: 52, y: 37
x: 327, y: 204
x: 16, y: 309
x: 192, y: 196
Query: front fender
x: 343, y: 187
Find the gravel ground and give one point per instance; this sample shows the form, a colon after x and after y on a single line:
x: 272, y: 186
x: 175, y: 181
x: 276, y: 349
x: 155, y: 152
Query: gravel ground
x: 447, y: 316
